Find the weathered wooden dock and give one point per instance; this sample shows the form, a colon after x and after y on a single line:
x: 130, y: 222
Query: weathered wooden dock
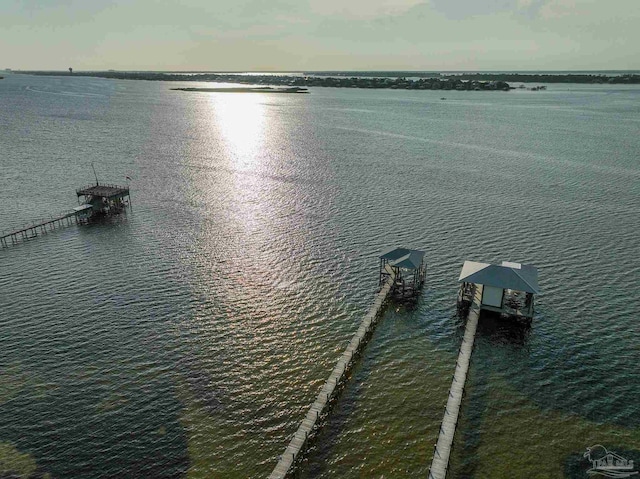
x: 43, y: 226
x: 105, y: 199
x: 442, y: 451
x: 330, y: 389
x: 99, y: 200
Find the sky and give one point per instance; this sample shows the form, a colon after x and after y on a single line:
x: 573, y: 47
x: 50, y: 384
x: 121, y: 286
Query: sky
x: 317, y: 35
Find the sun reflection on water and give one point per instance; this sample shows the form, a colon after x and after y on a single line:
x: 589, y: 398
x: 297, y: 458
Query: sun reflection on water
x: 240, y: 119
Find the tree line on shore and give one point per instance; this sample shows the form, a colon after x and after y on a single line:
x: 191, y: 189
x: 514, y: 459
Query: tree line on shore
x: 402, y: 83
x: 458, y: 81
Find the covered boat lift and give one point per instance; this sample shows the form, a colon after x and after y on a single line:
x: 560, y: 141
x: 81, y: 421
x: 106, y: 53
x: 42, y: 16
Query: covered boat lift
x: 408, y: 267
x: 508, y: 288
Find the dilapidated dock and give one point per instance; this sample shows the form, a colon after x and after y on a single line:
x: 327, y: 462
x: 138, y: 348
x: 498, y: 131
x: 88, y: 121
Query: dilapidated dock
x: 105, y: 199
x: 99, y: 200
x: 77, y: 215
x: 442, y: 451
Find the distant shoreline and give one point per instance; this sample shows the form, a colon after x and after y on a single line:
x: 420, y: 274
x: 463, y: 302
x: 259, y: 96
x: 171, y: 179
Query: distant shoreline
x: 401, y: 83
x: 421, y: 81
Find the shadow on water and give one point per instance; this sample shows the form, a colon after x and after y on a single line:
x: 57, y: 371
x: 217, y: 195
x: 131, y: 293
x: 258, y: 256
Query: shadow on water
x: 138, y: 435
x: 499, y: 330
x: 209, y: 396
x: 318, y: 455
x: 469, y: 437
x: 120, y: 219
x: 406, y: 306
x: 493, y: 330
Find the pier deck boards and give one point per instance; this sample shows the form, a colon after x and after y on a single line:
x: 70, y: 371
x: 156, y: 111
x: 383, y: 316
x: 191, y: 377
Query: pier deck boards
x: 442, y: 451
x: 296, y: 445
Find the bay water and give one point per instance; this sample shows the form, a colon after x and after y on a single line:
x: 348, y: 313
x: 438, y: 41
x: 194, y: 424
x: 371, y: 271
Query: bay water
x: 188, y: 337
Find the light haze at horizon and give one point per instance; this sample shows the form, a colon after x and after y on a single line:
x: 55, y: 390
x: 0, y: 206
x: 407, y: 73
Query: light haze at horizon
x: 287, y: 35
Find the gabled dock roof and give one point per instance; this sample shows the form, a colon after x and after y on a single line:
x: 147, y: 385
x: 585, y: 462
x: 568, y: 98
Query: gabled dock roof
x: 515, y: 276
x: 404, y: 258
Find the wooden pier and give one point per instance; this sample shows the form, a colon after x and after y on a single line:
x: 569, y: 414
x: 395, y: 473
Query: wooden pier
x: 442, y: 451
x: 296, y: 446
x: 78, y: 215
x: 99, y: 200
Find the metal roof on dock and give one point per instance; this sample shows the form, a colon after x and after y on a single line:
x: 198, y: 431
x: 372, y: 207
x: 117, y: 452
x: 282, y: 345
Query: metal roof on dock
x: 515, y: 276
x: 404, y: 258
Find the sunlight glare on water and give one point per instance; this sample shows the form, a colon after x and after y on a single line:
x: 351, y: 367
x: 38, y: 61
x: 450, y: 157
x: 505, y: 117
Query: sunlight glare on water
x: 241, y: 121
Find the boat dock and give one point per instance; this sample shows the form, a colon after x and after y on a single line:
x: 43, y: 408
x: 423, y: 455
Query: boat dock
x: 402, y: 274
x: 442, y: 451
x: 506, y: 289
x: 99, y: 200
x: 334, y: 384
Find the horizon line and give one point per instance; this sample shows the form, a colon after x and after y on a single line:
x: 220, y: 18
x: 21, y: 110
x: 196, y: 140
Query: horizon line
x: 326, y: 71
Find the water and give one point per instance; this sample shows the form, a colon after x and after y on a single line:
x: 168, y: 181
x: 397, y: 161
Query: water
x: 189, y: 337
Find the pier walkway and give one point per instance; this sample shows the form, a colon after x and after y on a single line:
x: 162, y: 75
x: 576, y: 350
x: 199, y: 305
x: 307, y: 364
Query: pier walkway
x: 331, y: 387
x: 76, y: 215
x: 442, y: 451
